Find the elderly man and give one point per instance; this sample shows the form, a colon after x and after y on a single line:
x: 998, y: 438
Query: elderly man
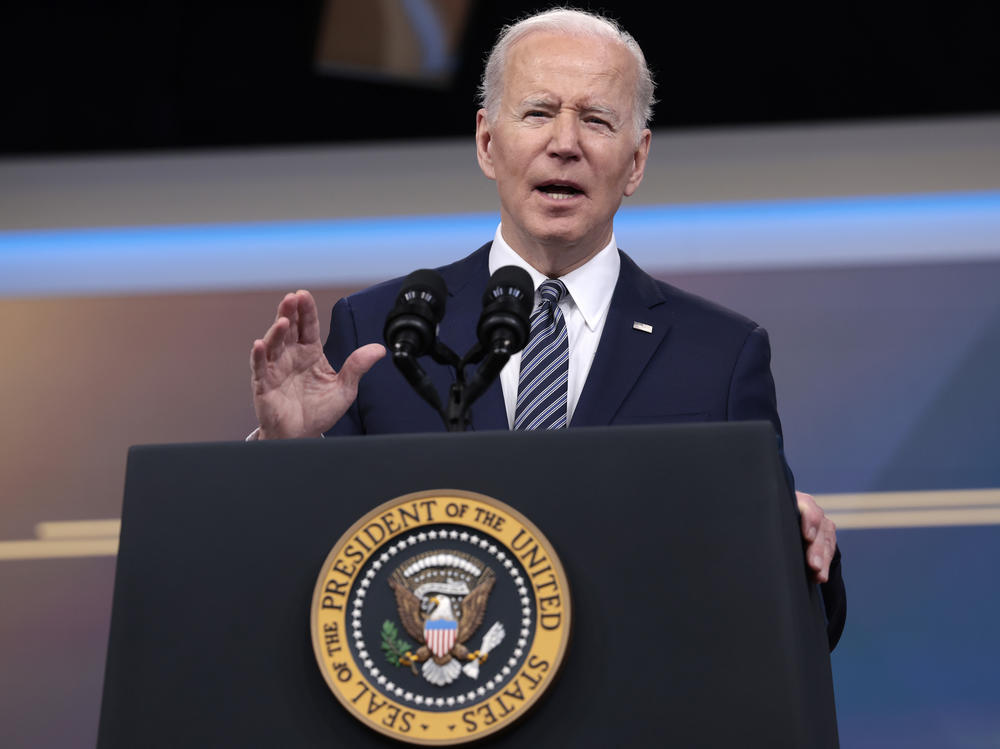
x: 566, y: 98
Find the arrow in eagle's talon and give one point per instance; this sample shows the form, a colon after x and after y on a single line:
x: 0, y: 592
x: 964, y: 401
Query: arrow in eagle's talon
x: 491, y: 639
x: 409, y: 660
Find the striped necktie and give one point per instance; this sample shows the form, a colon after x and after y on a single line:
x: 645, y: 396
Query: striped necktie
x: 541, y: 389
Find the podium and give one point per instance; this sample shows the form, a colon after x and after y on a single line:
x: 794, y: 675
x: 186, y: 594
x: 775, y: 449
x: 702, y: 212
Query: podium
x: 693, y: 620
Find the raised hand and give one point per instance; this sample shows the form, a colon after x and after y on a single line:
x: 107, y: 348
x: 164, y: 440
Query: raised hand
x: 296, y: 393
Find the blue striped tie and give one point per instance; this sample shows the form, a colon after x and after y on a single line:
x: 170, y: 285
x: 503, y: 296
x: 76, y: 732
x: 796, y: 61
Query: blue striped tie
x: 541, y: 389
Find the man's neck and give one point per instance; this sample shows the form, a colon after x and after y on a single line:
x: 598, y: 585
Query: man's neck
x: 555, y: 259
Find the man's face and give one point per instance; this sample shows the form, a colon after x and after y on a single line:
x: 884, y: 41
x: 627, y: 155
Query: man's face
x: 562, y: 148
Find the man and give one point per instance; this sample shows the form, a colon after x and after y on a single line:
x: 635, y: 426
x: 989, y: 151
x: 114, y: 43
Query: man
x: 566, y: 98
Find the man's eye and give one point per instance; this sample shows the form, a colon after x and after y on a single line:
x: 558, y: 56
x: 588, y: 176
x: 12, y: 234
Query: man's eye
x: 598, y: 121
x: 535, y: 113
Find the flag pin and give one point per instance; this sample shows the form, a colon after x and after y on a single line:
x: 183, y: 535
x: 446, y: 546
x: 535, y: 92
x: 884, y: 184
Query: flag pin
x: 644, y: 327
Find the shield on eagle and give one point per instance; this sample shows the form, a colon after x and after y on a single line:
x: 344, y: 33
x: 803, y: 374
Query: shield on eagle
x: 439, y: 634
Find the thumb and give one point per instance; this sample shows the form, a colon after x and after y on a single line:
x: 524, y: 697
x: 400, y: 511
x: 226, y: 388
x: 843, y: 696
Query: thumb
x: 360, y: 361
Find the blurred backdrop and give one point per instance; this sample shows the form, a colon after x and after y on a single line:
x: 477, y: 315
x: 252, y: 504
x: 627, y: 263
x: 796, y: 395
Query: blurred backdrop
x: 177, y: 73
x: 169, y: 169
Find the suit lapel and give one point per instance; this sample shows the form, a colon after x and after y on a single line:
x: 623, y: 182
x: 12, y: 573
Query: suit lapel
x: 466, y: 281
x: 621, y: 358
x: 623, y: 352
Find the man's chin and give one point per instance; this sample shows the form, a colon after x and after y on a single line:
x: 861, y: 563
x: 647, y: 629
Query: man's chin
x: 557, y: 240
x: 570, y: 235
x: 565, y: 250
x: 556, y: 229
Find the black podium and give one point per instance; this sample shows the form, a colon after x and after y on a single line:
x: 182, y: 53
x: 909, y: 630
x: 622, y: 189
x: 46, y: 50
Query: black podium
x: 694, y: 624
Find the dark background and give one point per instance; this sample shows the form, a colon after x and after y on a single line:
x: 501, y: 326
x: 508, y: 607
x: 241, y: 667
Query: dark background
x: 92, y: 75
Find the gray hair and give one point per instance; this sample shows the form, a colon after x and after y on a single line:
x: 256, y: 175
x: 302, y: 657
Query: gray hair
x: 573, y: 22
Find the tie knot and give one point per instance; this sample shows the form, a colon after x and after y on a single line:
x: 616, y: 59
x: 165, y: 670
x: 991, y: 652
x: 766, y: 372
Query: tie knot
x: 551, y: 292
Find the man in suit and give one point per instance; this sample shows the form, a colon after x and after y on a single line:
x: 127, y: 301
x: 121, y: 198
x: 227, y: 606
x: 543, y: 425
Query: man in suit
x: 566, y: 99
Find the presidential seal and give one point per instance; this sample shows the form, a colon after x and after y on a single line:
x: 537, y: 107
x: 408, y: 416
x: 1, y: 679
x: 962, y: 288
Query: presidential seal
x: 440, y: 617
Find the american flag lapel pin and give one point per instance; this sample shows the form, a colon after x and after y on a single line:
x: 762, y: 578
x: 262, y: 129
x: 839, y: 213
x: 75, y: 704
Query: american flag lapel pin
x: 644, y: 327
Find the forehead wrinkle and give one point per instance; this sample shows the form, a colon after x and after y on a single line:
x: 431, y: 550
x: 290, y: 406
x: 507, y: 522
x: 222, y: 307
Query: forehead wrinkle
x: 586, y: 105
x: 600, y: 62
x: 608, y: 65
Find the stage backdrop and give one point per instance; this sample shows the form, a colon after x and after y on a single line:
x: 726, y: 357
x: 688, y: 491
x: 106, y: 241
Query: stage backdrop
x: 132, y: 287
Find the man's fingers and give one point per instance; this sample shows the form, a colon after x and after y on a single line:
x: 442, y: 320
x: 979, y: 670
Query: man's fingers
x: 285, y: 306
x: 292, y: 332
x: 258, y: 359
x: 812, y: 515
x: 308, y: 317
x: 823, y: 549
x: 820, y: 534
x: 303, y: 319
x: 359, y: 362
x: 274, y: 339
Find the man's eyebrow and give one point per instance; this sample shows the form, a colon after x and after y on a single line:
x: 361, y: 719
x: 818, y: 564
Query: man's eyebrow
x: 538, y: 103
x: 543, y: 102
x: 608, y: 112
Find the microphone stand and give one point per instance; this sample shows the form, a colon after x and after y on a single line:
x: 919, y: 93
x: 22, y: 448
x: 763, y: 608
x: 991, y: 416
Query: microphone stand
x: 462, y: 393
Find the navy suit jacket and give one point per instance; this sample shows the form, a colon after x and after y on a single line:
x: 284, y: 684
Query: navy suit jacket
x: 701, y: 362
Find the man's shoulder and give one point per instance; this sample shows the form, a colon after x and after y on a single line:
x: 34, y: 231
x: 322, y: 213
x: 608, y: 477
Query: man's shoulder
x: 456, y: 276
x: 690, y: 305
x: 684, y: 307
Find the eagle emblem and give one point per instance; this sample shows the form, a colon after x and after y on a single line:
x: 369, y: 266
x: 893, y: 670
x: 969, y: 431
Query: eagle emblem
x: 441, y: 598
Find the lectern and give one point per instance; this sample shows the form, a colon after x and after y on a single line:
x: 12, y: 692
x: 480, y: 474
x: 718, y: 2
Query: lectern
x: 693, y: 621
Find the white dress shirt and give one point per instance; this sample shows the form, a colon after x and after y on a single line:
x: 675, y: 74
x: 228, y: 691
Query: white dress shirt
x: 584, y: 308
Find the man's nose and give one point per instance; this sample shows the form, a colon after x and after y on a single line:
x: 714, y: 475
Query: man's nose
x: 565, y: 140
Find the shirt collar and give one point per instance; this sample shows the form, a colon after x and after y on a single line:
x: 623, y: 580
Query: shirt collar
x: 590, y: 286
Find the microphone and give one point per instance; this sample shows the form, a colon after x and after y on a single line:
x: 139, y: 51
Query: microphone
x: 503, y: 328
x: 504, y: 323
x: 411, y: 328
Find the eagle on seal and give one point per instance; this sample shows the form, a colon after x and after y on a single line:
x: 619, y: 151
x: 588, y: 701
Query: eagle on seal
x: 441, y: 631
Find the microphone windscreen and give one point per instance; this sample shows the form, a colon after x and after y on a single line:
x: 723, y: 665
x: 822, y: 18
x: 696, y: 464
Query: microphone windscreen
x: 514, y: 283
x: 428, y: 284
x: 411, y: 326
x: 504, y: 324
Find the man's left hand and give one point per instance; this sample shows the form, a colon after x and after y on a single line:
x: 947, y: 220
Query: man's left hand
x: 820, y: 536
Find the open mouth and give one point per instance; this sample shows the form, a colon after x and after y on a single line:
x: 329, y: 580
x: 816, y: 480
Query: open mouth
x: 560, y: 190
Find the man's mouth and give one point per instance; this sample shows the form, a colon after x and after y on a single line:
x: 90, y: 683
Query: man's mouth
x: 560, y: 190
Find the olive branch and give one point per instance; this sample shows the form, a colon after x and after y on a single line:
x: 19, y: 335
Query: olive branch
x: 393, y: 645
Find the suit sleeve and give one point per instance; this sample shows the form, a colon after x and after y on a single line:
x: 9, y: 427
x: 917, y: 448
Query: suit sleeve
x: 341, y: 341
x: 751, y: 389
x: 752, y: 397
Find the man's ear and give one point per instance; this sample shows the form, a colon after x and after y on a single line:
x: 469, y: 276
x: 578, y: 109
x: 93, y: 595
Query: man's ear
x: 484, y: 138
x: 638, y: 163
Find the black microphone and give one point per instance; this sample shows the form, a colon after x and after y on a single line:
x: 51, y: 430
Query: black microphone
x: 411, y: 327
x: 504, y: 323
x: 503, y: 327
